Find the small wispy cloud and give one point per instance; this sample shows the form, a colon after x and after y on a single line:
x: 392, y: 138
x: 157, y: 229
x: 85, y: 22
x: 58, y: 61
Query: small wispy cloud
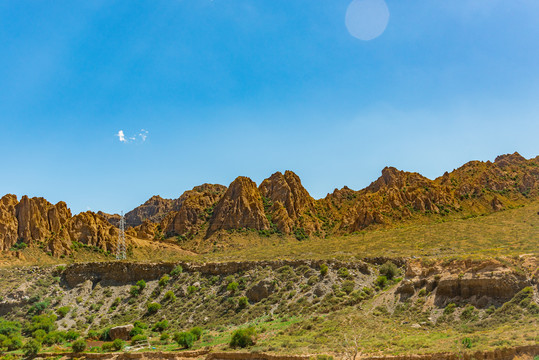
x: 143, y: 134
x: 121, y: 136
x: 140, y: 137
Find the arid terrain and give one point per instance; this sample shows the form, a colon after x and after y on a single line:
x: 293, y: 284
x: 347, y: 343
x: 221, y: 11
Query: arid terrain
x: 406, y: 268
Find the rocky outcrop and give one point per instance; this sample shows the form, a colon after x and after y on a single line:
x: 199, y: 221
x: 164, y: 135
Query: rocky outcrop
x: 9, y: 224
x: 481, y: 283
x: 240, y: 207
x: 196, y: 207
x: 114, y: 219
x: 121, y: 332
x: 154, y: 210
x: 286, y: 201
x: 260, y: 290
x: 94, y: 230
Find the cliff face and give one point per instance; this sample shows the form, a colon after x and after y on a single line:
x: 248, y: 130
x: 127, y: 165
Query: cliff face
x: 240, y: 207
x: 35, y: 220
x: 197, y: 207
x: 287, y: 201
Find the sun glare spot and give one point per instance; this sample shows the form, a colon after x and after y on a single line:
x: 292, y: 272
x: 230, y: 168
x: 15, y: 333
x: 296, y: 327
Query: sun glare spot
x: 367, y: 19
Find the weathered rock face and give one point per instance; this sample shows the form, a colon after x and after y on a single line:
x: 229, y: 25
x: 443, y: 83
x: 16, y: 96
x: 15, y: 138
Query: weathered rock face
x: 8, y: 222
x: 286, y: 200
x: 196, y: 207
x: 480, y: 283
x: 114, y: 219
x: 240, y: 207
x: 38, y: 219
x: 147, y: 230
x: 121, y: 332
x: 92, y: 229
x: 153, y: 210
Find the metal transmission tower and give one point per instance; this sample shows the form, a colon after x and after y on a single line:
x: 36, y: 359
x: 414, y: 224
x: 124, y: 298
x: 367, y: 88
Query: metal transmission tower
x: 120, y: 247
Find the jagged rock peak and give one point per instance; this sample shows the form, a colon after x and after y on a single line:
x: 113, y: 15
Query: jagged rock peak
x: 288, y: 190
x: 509, y: 159
x: 394, y: 178
x: 240, y: 207
x: 154, y: 210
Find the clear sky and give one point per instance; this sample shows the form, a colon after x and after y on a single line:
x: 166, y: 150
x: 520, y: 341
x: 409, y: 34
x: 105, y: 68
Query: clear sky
x: 204, y: 91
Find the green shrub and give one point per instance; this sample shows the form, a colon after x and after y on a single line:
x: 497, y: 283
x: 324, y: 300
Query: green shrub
x: 45, y: 322
x: 467, y: 343
x: 12, y: 343
x: 106, y: 347
x: 164, y: 280
x: 468, y: 313
x: 232, y: 287
x: 39, y: 334
x: 141, y: 284
x: 118, y: 344
x: 105, y: 335
x: 78, y: 346
x: 184, y: 339
x: 191, y: 289
x: 39, y: 307
x: 389, y: 270
x: 169, y: 296
x: 243, y: 302
x: 54, y: 337
x: 160, y: 326
x: 197, y: 332
x: 31, y: 347
x: 138, y: 337
x: 134, y: 291
x: 136, y: 331
x: 177, y: 270
x: 324, y: 357
x: 9, y: 328
x: 153, y: 308
x: 243, y: 338
x: 381, y: 281
x: 348, y: 286
x: 323, y: 269
x: 343, y: 272
x: 71, y: 335
x: 450, y: 309
x: 164, y: 337
x: 93, y: 335
x: 140, y: 324
x: 62, y: 311
x: 422, y: 292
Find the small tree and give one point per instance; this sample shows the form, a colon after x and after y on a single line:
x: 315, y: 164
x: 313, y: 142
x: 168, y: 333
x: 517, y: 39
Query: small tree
x: 389, y: 270
x: 232, y: 287
x: 323, y: 269
x: 184, y: 339
x: 141, y: 284
x: 164, y: 280
x: 243, y: 337
x: 31, y: 347
x: 78, y: 346
x: 197, y: 332
x: 153, y: 308
x: 118, y: 344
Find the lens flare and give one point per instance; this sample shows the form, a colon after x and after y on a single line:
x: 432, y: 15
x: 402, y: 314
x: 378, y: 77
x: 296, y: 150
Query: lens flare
x: 367, y: 19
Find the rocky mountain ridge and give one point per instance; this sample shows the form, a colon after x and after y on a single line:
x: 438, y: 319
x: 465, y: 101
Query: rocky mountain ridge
x: 280, y: 205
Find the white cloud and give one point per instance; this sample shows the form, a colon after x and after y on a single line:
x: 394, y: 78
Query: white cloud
x: 121, y: 136
x: 141, y: 136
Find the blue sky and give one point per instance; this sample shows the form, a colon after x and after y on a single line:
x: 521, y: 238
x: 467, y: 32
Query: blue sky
x: 226, y: 88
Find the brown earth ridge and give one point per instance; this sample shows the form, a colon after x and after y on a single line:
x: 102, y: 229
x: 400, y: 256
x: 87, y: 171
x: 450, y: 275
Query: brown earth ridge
x: 279, y: 205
